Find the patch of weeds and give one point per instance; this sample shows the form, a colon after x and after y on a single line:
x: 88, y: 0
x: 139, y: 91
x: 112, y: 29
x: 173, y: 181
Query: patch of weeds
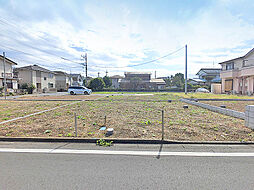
x: 185, y: 128
x: 47, y: 131
x: 69, y: 135
x: 216, y: 128
x: 60, y: 135
x: 104, y: 143
x: 5, y: 118
x: 81, y: 117
x: 58, y: 114
x: 90, y: 133
x: 94, y: 123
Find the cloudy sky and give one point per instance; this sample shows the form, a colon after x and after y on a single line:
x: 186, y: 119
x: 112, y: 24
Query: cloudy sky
x: 117, y: 35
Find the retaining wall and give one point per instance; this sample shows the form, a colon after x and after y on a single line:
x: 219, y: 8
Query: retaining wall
x: 229, y: 112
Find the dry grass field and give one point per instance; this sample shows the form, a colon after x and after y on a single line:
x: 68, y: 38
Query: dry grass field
x: 132, y: 117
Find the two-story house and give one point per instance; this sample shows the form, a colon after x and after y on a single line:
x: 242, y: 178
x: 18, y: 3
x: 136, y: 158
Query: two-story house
x: 141, y: 81
x: 63, y: 80
x: 43, y: 79
x: 238, y: 74
x: 77, y: 79
x: 11, y: 80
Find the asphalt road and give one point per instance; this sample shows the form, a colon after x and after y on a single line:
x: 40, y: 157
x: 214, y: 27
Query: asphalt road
x: 100, y: 171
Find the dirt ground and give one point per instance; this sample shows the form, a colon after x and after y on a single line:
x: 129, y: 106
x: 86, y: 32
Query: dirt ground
x: 13, y: 109
x: 234, y: 105
x: 132, y: 117
x: 63, y: 97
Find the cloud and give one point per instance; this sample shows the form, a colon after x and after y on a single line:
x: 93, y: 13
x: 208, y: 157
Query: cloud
x: 118, y: 34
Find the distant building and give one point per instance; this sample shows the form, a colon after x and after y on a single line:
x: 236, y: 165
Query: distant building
x: 116, y: 81
x: 209, y: 75
x: 77, y: 79
x: 11, y: 79
x: 238, y: 74
x: 43, y: 79
x: 63, y: 80
x: 141, y: 81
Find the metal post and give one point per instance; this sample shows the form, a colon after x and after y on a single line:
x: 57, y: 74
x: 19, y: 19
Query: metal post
x: 162, y: 124
x: 4, y: 76
x: 105, y: 120
x: 76, y: 130
x: 86, y: 70
x: 185, y: 69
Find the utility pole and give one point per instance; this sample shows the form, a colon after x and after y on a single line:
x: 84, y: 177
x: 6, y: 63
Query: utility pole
x: 98, y: 74
x: 186, y: 69
x: 85, y: 57
x: 106, y: 73
x: 155, y: 74
x: 4, y: 77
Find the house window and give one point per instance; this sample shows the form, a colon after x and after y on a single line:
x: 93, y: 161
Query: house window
x: 50, y: 75
x: 230, y: 66
x: 50, y: 85
x: 45, y: 78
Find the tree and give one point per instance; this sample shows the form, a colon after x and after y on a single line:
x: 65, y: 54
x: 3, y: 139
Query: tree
x: 178, y: 80
x: 97, y: 84
x: 107, y: 81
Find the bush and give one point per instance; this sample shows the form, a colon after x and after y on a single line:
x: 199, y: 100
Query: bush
x: 97, y: 84
x: 107, y: 81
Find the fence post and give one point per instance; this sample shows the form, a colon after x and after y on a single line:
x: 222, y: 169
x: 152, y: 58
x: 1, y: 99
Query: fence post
x: 105, y: 120
x: 76, y: 130
x: 162, y: 124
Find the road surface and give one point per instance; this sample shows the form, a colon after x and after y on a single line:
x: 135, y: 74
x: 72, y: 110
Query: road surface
x: 86, y: 166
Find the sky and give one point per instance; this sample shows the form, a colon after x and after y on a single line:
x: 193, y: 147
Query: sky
x: 121, y: 35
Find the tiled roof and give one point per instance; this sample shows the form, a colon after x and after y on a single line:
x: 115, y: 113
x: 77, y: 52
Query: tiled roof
x: 35, y: 68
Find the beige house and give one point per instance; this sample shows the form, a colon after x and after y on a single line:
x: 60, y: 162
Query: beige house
x: 43, y: 79
x: 11, y: 80
x: 237, y: 75
x: 63, y: 80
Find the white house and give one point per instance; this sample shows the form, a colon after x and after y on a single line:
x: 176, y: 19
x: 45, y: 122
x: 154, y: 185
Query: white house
x: 11, y: 80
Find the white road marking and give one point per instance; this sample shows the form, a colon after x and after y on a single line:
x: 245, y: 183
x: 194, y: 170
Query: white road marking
x: 135, y: 153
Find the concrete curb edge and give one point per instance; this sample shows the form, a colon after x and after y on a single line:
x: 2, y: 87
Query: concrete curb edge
x: 117, y: 141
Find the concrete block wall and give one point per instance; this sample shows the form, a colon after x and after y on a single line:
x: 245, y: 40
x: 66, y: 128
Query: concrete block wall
x: 229, y: 112
x: 249, y: 116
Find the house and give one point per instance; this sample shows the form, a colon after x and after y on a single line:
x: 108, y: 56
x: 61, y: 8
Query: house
x: 237, y: 74
x: 63, y: 81
x: 43, y: 79
x: 141, y: 81
x: 77, y: 79
x: 208, y: 76
x: 11, y: 80
x: 116, y: 81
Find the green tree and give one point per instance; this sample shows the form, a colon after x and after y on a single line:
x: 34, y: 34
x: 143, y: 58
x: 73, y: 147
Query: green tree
x: 107, y: 81
x: 178, y: 80
x: 97, y: 84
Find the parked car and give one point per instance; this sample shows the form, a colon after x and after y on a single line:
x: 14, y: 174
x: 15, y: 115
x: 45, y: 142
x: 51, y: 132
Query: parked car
x: 79, y: 90
x: 202, y: 90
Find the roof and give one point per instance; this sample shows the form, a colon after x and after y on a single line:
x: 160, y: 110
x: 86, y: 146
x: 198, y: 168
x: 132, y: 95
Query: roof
x: 242, y: 57
x: 116, y: 77
x: 35, y: 68
x: 60, y: 73
x: 75, y: 75
x: 137, y: 73
x: 8, y: 60
x: 198, y: 80
x: 158, y: 81
x: 216, y: 79
x: 210, y: 71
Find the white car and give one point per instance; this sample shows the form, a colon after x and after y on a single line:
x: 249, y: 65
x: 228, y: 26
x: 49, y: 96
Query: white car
x: 202, y: 90
x: 79, y: 90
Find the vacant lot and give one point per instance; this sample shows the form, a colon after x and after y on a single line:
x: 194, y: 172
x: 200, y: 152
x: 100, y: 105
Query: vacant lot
x: 63, y: 97
x: 13, y: 109
x: 234, y: 105
x: 133, y: 117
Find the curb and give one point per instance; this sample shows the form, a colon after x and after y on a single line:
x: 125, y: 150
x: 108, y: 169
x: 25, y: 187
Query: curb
x: 118, y: 141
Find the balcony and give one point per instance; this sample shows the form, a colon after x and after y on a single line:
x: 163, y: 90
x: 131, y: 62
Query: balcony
x: 8, y: 75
